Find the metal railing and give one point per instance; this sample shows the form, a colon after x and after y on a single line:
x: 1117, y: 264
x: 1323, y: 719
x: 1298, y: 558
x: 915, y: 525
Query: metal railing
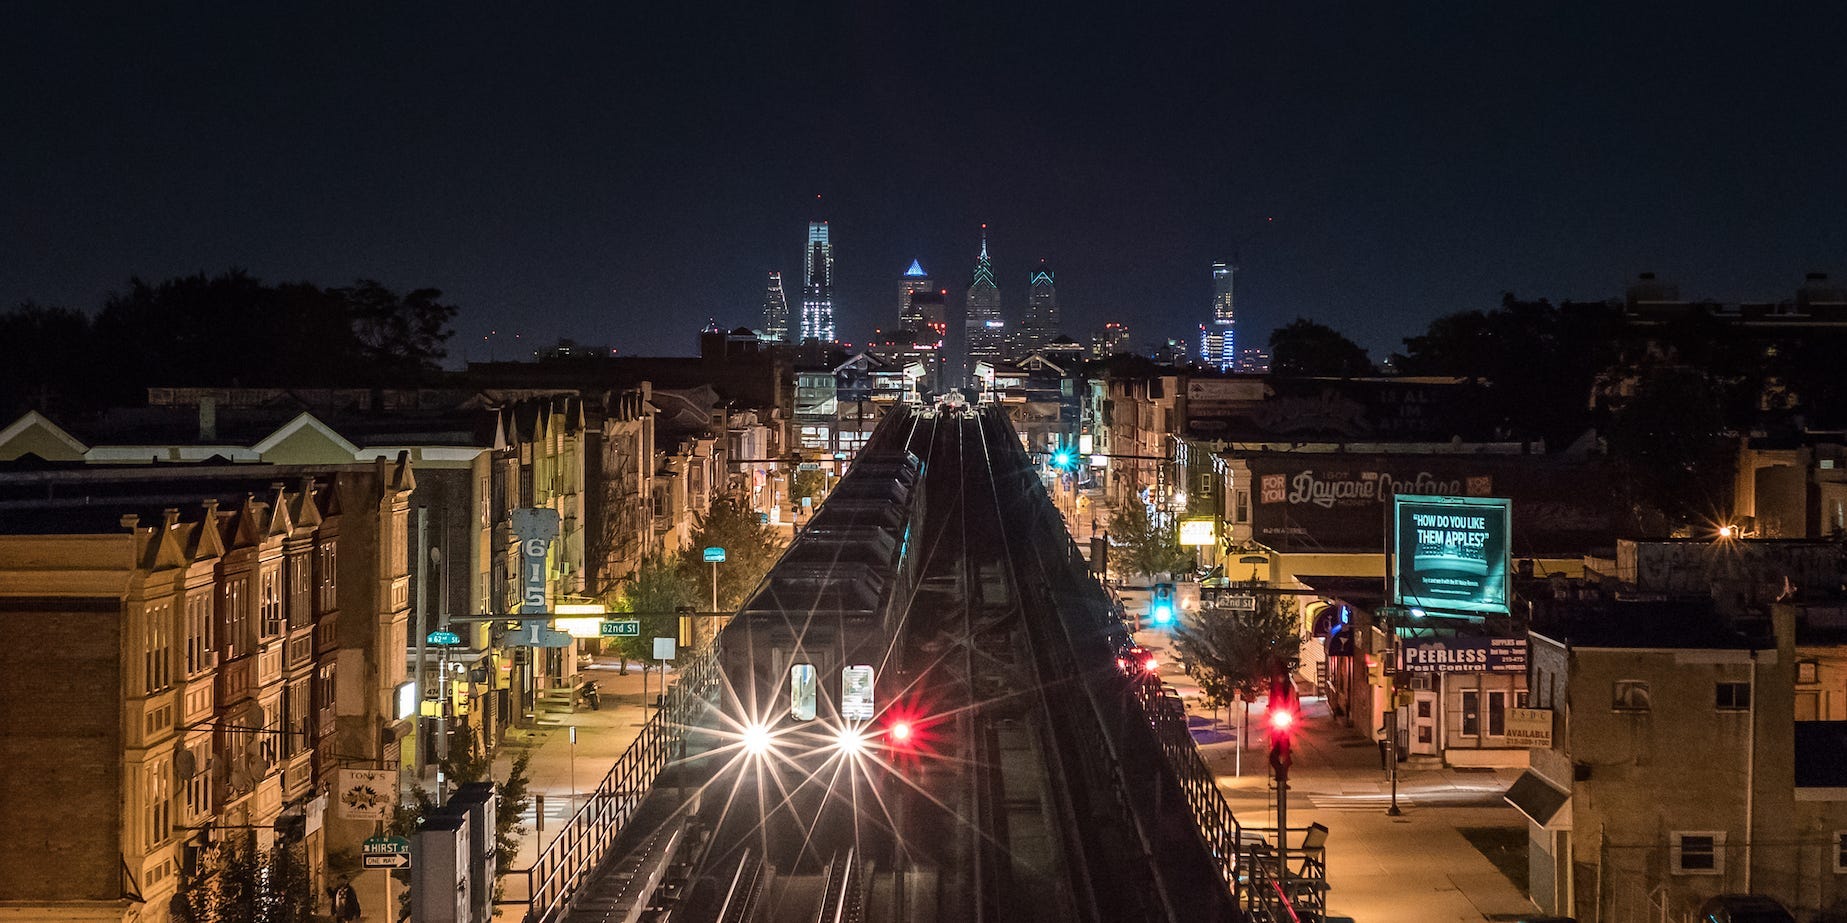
x: 566, y: 863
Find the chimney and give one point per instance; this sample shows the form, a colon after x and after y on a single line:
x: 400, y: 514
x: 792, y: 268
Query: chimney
x: 208, y: 419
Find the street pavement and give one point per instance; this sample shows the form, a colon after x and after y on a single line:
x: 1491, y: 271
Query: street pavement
x: 1414, y: 868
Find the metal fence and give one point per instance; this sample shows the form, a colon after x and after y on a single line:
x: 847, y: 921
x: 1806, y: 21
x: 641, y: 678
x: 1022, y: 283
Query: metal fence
x: 566, y: 863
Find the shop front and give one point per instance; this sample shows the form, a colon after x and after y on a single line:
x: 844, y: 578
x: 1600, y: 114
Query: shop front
x: 1461, y: 689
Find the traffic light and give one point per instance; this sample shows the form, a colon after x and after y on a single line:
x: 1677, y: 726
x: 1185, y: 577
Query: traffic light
x: 1062, y: 459
x: 1285, y: 717
x: 1161, y: 604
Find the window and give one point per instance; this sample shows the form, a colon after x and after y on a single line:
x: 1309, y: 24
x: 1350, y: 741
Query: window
x: 199, y: 787
x: 1697, y: 853
x: 300, y: 607
x: 325, y: 577
x: 159, y: 804
x: 1840, y: 852
x: 237, y: 641
x: 295, y: 701
x: 198, y: 633
x: 158, y: 650
x: 269, y: 582
x: 1808, y: 672
x: 856, y: 703
x: 801, y: 692
x: 1630, y: 695
x: 1733, y: 696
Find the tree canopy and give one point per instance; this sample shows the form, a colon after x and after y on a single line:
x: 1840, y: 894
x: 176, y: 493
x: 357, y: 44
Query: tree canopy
x: 1236, y: 653
x: 1144, y: 545
x: 660, y: 586
x: 1305, y: 348
x: 231, y: 329
x: 751, y: 549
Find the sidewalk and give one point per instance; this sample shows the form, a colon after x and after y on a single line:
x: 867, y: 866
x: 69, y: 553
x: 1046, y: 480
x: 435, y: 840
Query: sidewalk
x: 564, y: 775
x: 1415, y: 868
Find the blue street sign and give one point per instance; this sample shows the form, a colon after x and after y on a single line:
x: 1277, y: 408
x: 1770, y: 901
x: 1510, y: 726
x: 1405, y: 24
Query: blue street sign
x: 715, y: 555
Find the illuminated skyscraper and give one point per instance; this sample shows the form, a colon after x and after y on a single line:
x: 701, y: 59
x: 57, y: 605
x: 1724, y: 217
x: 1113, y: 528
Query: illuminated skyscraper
x: 914, y: 280
x: 775, y: 311
x: 1112, y: 339
x: 818, y: 285
x: 987, y: 334
x: 1218, y: 347
x: 1041, y: 323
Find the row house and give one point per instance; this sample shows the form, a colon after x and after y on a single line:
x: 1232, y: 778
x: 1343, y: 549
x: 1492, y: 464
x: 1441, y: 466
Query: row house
x: 1670, y: 765
x: 479, y: 456
x: 197, y: 652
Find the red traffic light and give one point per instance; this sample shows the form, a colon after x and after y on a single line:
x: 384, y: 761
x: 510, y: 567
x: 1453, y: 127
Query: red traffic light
x: 1282, y: 719
x: 901, y: 731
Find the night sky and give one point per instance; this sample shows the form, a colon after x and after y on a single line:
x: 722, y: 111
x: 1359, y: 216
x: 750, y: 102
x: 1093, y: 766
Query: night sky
x: 619, y: 179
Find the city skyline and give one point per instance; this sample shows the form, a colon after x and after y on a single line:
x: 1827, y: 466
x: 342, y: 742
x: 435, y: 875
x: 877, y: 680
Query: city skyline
x: 1416, y: 164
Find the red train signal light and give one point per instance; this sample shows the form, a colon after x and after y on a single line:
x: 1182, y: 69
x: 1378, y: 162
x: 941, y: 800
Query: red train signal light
x: 1285, y: 716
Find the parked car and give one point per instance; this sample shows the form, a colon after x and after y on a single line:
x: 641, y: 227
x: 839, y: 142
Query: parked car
x: 1743, y: 908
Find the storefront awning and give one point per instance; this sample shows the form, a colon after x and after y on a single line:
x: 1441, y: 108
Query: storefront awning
x: 1537, y: 798
x: 1365, y: 592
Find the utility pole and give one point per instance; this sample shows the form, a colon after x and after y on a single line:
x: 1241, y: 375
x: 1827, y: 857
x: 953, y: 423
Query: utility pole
x: 423, y: 630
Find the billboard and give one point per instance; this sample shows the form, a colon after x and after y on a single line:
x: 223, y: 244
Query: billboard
x: 1450, y: 554
x: 1336, y: 501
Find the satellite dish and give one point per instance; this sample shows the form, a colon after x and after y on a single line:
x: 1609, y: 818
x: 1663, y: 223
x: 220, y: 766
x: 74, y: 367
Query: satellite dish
x: 185, y: 765
x: 239, y: 775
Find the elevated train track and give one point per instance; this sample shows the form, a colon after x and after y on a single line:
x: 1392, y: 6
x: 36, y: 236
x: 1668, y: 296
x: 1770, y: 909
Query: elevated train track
x: 996, y: 768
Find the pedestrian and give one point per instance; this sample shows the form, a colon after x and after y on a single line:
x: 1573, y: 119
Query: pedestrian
x: 345, y: 902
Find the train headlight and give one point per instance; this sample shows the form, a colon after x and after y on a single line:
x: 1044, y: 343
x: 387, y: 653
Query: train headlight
x: 756, y: 740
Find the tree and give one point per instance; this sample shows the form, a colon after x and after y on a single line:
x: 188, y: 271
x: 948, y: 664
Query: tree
x: 1670, y: 445
x: 1234, y: 654
x: 403, y: 333
x: 751, y: 549
x: 236, y: 883
x: 513, y: 797
x: 45, y: 354
x: 659, y: 587
x: 1534, y: 364
x: 1144, y: 545
x: 806, y: 484
x: 1305, y: 348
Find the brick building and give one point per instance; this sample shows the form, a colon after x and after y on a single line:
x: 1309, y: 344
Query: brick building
x: 196, y: 653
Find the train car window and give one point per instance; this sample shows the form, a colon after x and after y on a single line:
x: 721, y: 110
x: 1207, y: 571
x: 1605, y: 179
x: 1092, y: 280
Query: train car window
x: 856, y: 693
x: 801, y: 692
